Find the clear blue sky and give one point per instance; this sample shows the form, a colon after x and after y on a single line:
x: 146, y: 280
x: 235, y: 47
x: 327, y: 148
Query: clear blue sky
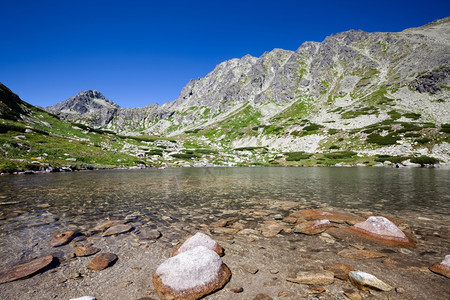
x: 143, y: 52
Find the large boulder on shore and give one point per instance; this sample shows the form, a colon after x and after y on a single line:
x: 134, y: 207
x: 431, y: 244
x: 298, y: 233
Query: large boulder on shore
x: 199, y: 239
x: 191, y: 274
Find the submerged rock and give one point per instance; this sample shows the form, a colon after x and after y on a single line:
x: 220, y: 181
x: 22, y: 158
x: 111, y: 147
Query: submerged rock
x: 84, y: 298
x: 363, y: 280
x: 102, y: 261
x: 271, y: 229
x: 25, y: 270
x: 360, y: 254
x: 62, y: 238
x: 107, y: 225
x: 312, y: 227
x: 85, y: 251
x: 117, y: 229
x: 339, y: 270
x: 199, y: 239
x: 317, y: 214
x: 191, y: 274
x: 442, y: 268
x: 313, y: 277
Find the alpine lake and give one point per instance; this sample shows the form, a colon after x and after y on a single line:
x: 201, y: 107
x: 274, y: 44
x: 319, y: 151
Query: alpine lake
x: 179, y: 202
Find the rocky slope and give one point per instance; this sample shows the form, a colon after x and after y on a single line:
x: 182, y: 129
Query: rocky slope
x: 376, y: 93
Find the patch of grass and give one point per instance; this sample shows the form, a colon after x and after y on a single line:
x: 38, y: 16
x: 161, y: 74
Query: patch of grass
x: 394, y: 115
x: 412, y: 134
x: 332, y: 131
x: 413, y: 116
x: 424, y: 160
x: 250, y: 148
x: 392, y: 159
x: 423, y: 140
x: 389, y: 139
x: 340, y: 154
x: 445, y: 128
x: 333, y: 147
x: 296, y: 156
x: 185, y: 155
x: 312, y: 127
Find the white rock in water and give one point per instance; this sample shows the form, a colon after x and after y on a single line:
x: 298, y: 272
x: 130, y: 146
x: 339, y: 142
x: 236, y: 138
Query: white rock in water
x: 366, y: 279
x: 195, y: 267
x: 84, y: 298
x: 199, y: 239
x: 382, y: 227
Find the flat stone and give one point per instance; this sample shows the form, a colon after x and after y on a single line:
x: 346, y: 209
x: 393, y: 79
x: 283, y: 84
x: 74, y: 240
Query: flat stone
x: 271, y: 229
x: 363, y: 280
x: 381, y: 228
x: 261, y: 213
x: 316, y: 290
x: 290, y: 220
x: 442, y: 268
x: 26, y: 269
x: 262, y: 297
x: 199, y: 239
x: 313, y: 277
x: 117, y: 229
x: 84, y: 298
x: 360, y: 254
x: 237, y: 290
x: 223, y: 223
x: 62, y: 238
x: 147, y: 234
x: 312, y: 227
x: 107, y: 225
x: 102, y: 261
x: 286, y: 293
x: 340, y: 271
x: 352, y: 294
x: 85, y: 251
x: 191, y: 274
x: 224, y: 230
x: 250, y: 269
x: 317, y: 214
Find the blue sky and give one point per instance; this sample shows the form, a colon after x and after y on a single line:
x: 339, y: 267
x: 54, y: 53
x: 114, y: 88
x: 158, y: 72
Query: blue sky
x: 141, y: 52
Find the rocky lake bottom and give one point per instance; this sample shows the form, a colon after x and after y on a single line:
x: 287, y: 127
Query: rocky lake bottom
x: 253, y: 213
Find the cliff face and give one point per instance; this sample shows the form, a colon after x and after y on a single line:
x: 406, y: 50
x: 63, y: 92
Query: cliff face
x: 347, y: 83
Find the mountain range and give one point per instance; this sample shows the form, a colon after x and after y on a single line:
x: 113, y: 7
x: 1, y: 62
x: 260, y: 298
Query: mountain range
x: 383, y: 94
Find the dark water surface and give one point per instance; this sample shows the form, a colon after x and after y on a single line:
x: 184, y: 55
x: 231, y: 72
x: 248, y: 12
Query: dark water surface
x: 41, y: 205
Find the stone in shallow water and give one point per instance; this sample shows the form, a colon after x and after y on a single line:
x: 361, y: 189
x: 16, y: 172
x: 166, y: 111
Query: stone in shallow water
x: 443, y: 267
x: 102, y: 261
x: 107, y: 225
x: 313, y: 277
x: 62, y: 238
x: 84, y: 298
x: 262, y: 297
x: 312, y: 227
x: 340, y: 270
x: 363, y: 279
x: 360, y: 254
x: 191, y: 274
x: 117, y: 229
x: 25, y: 270
x: 199, y: 239
x: 317, y: 214
x: 271, y: 229
x: 85, y: 251
x: 147, y: 234
x: 381, y: 228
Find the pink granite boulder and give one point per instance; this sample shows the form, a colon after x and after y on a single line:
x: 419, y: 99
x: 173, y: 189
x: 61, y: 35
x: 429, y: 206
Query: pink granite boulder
x: 191, y: 274
x: 199, y: 239
x: 380, y: 228
x: 442, y: 268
